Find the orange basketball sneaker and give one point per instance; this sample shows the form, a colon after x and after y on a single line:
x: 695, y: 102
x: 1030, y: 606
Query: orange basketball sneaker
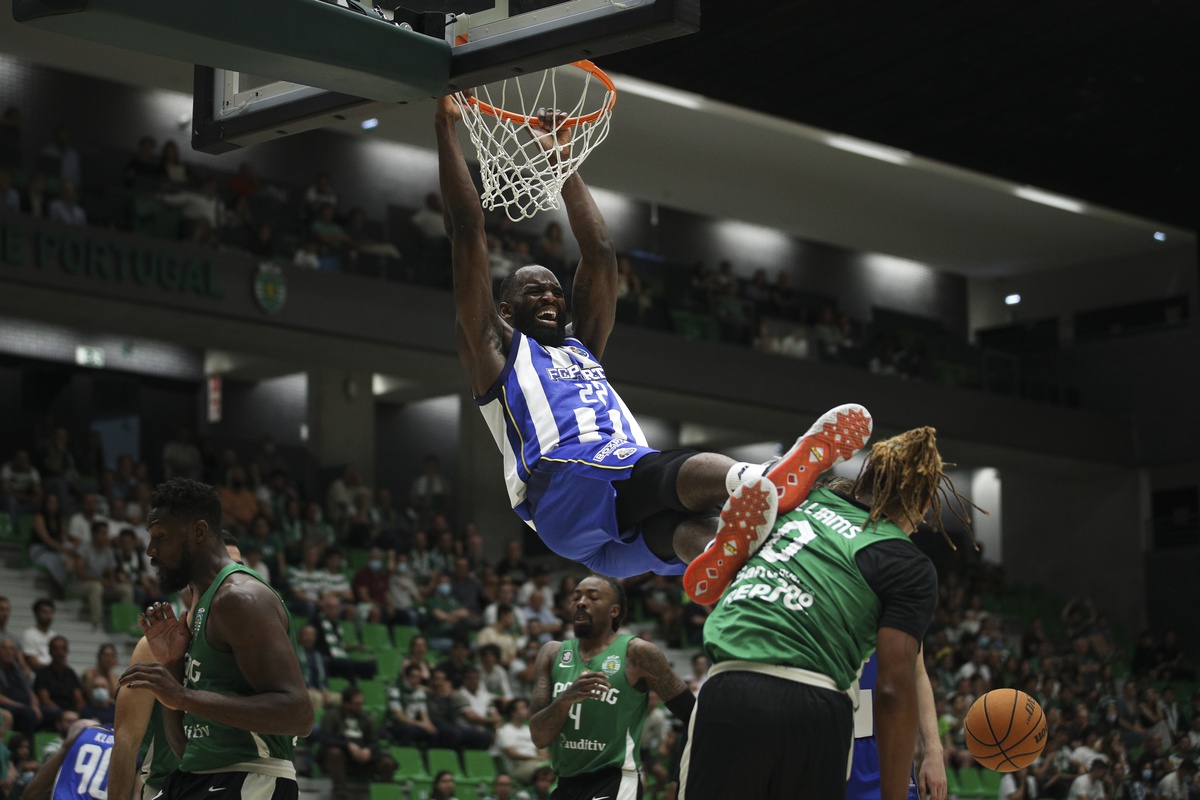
x: 749, y: 514
x: 746, y: 521
x: 836, y: 436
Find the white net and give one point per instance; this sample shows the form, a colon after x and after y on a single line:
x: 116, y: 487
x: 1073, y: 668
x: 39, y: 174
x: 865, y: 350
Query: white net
x: 523, y: 164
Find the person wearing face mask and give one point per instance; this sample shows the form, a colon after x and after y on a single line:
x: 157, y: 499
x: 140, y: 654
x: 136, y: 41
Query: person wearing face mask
x: 370, y: 586
x: 447, y: 618
x: 402, y: 592
x: 98, y: 704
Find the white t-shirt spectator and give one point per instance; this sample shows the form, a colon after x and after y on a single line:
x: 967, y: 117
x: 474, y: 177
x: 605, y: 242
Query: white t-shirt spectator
x: 1172, y: 787
x: 37, y: 644
x: 1084, y: 786
x: 1008, y: 787
x: 518, y: 738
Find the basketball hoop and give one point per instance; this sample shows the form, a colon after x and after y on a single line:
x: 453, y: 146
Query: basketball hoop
x: 523, y: 164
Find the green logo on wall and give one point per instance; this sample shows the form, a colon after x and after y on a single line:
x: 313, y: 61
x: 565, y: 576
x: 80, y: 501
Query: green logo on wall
x: 270, y: 288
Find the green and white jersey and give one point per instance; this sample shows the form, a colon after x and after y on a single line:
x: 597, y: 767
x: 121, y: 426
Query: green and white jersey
x: 156, y: 756
x: 213, y: 746
x: 801, y: 600
x: 605, y: 732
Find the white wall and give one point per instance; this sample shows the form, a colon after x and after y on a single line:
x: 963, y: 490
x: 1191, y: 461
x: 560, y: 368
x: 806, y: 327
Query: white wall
x: 1062, y: 292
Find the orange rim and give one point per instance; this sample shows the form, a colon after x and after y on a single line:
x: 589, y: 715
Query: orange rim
x: 569, y: 122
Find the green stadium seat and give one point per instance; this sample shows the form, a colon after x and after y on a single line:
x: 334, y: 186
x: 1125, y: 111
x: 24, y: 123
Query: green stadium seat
x: 991, y: 783
x: 464, y: 791
x: 123, y: 618
x: 387, y: 662
x: 350, y: 634
x: 410, y: 766
x: 479, y: 766
x: 374, y: 693
x: 441, y: 758
x: 403, y: 635
x: 375, y: 636
x: 969, y: 783
x: 338, y: 685
x: 356, y: 559
x: 40, y: 740
x: 386, y: 791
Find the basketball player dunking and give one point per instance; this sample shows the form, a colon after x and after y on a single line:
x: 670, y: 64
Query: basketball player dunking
x: 578, y: 467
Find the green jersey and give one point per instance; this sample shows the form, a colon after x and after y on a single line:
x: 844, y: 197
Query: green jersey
x: 604, y: 732
x: 213, y: 746
x: 156, y: 756
x: 801, y: 601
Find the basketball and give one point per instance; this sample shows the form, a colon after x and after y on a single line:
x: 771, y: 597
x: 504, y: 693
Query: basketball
x: 1005, y: 730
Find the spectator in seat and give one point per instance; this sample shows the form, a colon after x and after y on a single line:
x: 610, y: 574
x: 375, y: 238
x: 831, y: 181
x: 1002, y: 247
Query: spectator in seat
x: 500, y: 635
x: 515, y: 742
x: 56, y: 463
x: 404, y: 597
x: 549, y: 625
x: 66, y: 208
x: 20, y: 486
x: 181, y: 457
x: 105, y: 667
x: 408, y: 712
x: 350, y: 745
x: 331, y: 238
x: 332, y: 644
x: 51, y: 548
x: 513, y: 565
x: 136, y: 570
x: 430, y: 490
x: 195, y: 205
x: 15, y: 695
x: 418, y: 654
x: 57, y: 686
x: 171, y: 169
x: 446, y: 618
x: 61, y: 150
x: 370, y: 587
x: 493, y: 673
x: 96, y: 574
x: 1092, y: 785
x: 477, y: 717
x: 312, y: 665
x: 320, y: 193
x: 143, y: 171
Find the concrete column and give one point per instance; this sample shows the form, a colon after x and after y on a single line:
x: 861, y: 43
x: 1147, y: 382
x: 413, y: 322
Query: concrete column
x: 341, y: 421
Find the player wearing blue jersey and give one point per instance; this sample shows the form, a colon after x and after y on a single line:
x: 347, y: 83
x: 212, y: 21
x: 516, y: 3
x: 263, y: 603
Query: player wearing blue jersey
x: 929, y: 783
x: 578, y: 468
x: 79, y: 770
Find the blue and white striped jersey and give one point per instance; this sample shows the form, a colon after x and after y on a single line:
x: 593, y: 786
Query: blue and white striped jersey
x: 548, y: 397
x: 84, y: 772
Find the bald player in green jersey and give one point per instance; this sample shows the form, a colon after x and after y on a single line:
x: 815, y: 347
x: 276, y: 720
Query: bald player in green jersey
x: 228, y: 677
x: 590, y: 697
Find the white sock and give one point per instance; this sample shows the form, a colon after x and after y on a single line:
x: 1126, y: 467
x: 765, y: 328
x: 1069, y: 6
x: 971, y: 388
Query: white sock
x: 742, y: 473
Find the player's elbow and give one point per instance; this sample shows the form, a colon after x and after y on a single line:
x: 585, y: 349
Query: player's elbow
x: 892, y: 694
x: 303, y: 717
x: 541, y: 739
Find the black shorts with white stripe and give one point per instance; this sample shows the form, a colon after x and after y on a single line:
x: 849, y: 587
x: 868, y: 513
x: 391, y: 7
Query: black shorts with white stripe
x: 613, y: 784
x: 227, y: 786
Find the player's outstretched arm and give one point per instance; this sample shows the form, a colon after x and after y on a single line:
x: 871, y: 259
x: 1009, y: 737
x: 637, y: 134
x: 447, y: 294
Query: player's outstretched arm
x: 134, y: 707
x: 482, y: 336
x: 895, y: 699
x: 594, y: 295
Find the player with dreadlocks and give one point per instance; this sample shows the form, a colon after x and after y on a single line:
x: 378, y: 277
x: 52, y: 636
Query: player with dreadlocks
x: 837, y: 580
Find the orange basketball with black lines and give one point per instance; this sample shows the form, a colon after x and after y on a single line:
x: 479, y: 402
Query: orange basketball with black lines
x: 1005, y: 730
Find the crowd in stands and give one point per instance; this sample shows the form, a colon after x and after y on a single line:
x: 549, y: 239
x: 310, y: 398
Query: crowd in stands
x: 412, y: 641
x: 158, y: 194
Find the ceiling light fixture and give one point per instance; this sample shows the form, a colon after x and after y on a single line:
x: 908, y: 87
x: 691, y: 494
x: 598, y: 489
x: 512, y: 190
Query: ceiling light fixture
x: 1012, y: 299
x: 368, y: 124
x: 869, y: 149
x: 653, y: 91
x: 1159, y: 236
x: 1047, y: 199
